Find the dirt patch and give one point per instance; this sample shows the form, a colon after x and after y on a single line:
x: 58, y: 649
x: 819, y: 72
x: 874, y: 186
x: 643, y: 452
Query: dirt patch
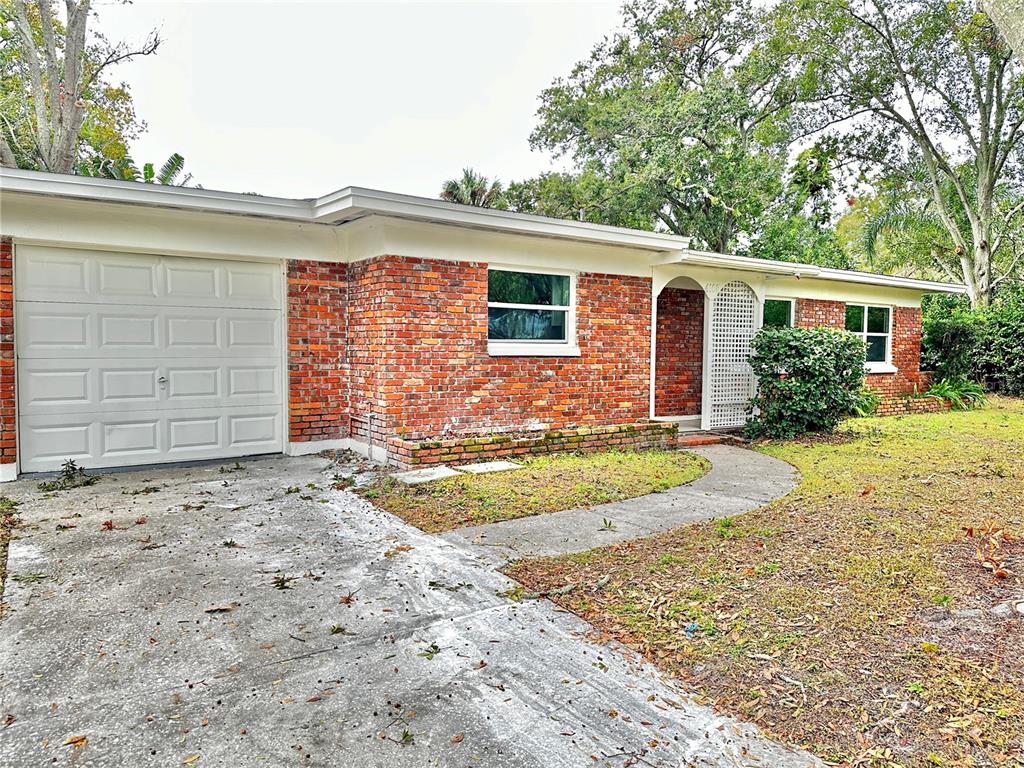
x: 544, y: 484
x: 852, y: 617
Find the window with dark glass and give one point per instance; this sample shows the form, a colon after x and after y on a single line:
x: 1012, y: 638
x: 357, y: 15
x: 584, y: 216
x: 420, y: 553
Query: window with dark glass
x: 874, y: 325
x: 778, y: 313
x: 528, y: 306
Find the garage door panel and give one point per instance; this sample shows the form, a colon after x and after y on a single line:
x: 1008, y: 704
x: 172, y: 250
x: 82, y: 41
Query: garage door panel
x: 49, y: 330
x: 100, y: 277
x: 101, y: 386
x: 148, y: 437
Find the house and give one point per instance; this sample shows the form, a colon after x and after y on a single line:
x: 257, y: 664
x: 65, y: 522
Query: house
x: 144, y: 324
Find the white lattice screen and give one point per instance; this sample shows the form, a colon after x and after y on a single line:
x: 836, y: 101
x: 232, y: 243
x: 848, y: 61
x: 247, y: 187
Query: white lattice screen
x: 733, y: 312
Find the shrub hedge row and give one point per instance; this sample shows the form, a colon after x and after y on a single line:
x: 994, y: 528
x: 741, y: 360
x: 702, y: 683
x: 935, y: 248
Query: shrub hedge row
x: 987, y: 346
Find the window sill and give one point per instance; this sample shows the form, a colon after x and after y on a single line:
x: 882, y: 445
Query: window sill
x: 516, y: 349
x: 880, y: 368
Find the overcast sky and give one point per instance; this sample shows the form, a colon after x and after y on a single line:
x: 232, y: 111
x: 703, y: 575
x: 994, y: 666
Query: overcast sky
x: 300, y: 98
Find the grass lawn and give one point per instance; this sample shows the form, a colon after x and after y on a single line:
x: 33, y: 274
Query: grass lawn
x: 852, y: 617
x: 545, y: 484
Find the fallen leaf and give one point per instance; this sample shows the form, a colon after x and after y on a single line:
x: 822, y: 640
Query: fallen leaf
x: 140, y: 521
x: 458, y: 737
x: 76, y: 741
x: 9, y: 719
x: 395, y: 550
x: 190, y: 759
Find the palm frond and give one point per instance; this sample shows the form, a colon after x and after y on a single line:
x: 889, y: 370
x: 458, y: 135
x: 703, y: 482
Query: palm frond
x: 171, y: 168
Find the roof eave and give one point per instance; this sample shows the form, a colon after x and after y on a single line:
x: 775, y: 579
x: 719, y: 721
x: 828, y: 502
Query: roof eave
x: 767, y: 266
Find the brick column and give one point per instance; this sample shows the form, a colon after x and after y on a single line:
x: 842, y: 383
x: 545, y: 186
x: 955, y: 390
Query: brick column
x: 318, y: 403
x: 8, y: 400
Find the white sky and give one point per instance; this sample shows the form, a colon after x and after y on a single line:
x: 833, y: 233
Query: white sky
x: 299, y: 98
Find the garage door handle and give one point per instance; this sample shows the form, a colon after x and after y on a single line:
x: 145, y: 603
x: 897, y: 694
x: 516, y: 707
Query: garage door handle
x: 161, y: 381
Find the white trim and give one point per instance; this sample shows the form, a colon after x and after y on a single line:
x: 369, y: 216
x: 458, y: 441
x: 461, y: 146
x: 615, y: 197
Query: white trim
x: 315, y: 446
x: 8, y: 472
x: 379, y: 453
x: 864, y: 333
x: 532, y: 349
x: 767, y: 266
x: 792, y: 308
x: 880, y: 367
x: 567, y: 347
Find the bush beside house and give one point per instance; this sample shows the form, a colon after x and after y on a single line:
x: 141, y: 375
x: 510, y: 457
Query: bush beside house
x: 809, y: 379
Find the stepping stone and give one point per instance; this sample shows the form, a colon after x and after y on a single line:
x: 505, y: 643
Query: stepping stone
x: 425, y: 475
x: 489, y: 466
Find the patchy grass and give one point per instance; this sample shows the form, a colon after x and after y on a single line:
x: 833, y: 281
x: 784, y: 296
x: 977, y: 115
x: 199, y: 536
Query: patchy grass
x: 545, y: 484
x: 852, y: 617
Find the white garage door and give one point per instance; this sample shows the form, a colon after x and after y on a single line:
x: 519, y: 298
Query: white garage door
x: 134, y: 359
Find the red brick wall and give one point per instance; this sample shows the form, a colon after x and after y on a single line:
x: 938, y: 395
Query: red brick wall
x: 318, y: 404
x: 433, y: 377
x: 8, y: 401
x: 815, y: 313
x: 906, y: 343
x: 679, y: 353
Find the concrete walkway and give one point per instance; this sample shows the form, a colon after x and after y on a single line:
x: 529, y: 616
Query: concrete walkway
x: 739, y: 480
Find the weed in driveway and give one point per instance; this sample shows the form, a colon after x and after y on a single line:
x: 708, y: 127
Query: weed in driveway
x: 70, y: 476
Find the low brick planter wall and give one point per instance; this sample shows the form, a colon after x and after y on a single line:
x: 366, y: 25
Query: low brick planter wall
x: 904, y: 406
x: 642, y: 436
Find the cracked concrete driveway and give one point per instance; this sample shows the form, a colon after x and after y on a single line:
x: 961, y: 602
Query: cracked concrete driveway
x: 167, y: 640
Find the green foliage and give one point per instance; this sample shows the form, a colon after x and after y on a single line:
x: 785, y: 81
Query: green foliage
x: 962, y: 394
x: 866, y: 402
x: 686, y: 113
x: 1002, y: 342
x: 110, y: 122
x: 808, y: 380
x: 985, y: 345
x: 950, y: 342
x: 473, y: 189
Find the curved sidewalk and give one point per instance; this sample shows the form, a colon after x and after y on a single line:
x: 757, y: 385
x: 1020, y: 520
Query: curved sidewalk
x: 739, y: 480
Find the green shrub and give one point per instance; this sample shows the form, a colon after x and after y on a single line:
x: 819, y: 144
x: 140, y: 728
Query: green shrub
x: 867, y: 402
x: 808, y: 380
x: 961, y: 344
x: 950, y: 342
x: 962, y: 394
x: 1002, y: 343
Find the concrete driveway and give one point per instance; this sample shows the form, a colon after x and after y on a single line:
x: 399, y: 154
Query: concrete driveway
x: 257, y: 617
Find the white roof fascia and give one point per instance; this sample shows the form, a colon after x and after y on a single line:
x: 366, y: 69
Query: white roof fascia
x: 332, y: 209
x: 353, y: 202
x: 729, y: 261
x: 135, y: 193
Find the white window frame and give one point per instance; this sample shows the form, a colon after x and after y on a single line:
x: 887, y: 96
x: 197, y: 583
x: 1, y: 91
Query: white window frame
x: 536, y: 347
x: 792, y: 308
x: 885, y: 366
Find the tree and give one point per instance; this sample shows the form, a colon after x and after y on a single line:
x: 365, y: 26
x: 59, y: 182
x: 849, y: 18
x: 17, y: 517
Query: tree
x: 169, y: 173
x: 473, y: 189
x: 904, y: 229
x: 920, y: 84
x: 1009, y: 16
x: 686, y: 112
x: 57, y: 101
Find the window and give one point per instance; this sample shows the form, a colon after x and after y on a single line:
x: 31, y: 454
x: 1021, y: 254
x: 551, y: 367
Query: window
x: 530, y: 312
x: 874, y: 325
x: 778, y: 313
